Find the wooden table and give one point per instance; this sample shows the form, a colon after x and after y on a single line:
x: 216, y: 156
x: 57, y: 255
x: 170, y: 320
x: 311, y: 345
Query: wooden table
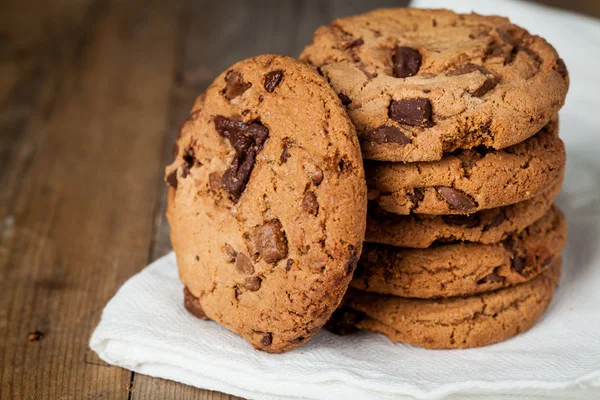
x: 92, y: 93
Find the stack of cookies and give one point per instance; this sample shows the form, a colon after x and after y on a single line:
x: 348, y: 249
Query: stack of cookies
x: 430, y: 138
x: 457, y: 119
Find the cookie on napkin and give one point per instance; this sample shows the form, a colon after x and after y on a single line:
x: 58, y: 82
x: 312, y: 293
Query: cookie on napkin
x: 267, y: 202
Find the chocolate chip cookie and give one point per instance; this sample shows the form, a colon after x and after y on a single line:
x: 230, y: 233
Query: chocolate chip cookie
x: 467, y: 181
x: 421, y: 83
x: 458, y: 322
x: 267, y: 202
x: 460, y: 269
x: 486, y: 226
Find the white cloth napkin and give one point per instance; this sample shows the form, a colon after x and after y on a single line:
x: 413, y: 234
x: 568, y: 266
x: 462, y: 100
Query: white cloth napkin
x: 146, y: 329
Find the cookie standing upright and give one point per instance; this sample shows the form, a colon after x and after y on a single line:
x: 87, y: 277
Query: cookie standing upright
x: 267, y: 202
x: 421, y: 83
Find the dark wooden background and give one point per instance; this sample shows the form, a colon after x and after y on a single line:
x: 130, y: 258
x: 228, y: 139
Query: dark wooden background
x: 92, y: 93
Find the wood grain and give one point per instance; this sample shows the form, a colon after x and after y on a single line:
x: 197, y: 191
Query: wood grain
x: 92, y: 94
x: 79, y: 189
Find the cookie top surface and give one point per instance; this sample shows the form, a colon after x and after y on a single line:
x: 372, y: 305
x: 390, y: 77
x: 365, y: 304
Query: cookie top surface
x: 267, y: 201
x: 486, y: 226
x: 458, y: 322
x: 459, y: 269
x: 467, y: 181
x: 421, y: 83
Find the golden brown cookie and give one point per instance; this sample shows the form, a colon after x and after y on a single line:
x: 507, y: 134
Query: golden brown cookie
x: 460, y: 269
x: 486, y: 226
x: 267, y: 202
x: 470, y: 180
x: 421, y: 83
x: 458, y: 322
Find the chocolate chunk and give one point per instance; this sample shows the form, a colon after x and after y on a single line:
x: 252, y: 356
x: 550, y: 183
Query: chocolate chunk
x: 244, y: 265
x: 498, y: 219
x: 188, y: 157
x: 316, y: 176
x: 492, y: 278
x: 561, y: 68
x: 270, y: 241
x: 407, y: 61
x: 185, y: 170
x: 547, y: 261
x: 518, y: 264
x: 417, y: 195
x: 385, y: 134
x: 172, y: 179
x: 345, y: 99
x: 414, y: 112
x: 192, y: 304
x: 267, y: 339
x: 272, y: 79
x: 188, y: 161
x: 285, y: 154
x: 343, y: 321
x: 354, y: 43
x: 310, y: 203
x: 457, y: 199
x: 247, y: 140
x: 235, y: 85
x: 485, y: 87
x: 215, y: 181
x: 466, y: 69
x: 351, y: 264
x: 230, y: 253
x: 509, y: 243
x: 466, y: 221
x: 490, y: 82
x: 288, y: 264
x: 253, y: 283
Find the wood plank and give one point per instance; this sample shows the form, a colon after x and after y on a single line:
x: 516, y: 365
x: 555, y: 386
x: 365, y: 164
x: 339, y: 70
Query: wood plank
x: 78, y: 193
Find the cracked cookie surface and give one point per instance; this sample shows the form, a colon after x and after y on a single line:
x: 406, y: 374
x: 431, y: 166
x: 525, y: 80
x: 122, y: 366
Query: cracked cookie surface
x: 458, y: 322
x: 267, y: 202
x: 461, y: 269
x: 467, y: 181
x: 485, y: 226
x: 421, y: 83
